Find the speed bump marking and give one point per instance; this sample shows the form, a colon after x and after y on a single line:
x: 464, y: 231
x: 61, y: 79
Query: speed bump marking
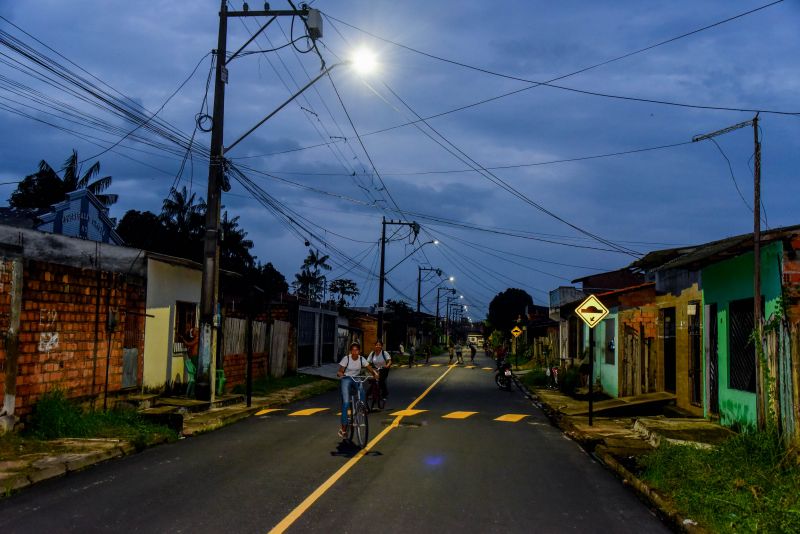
x: 307, y: 411
x: 436, y: 365
x: 269, y: 410
x: 512, y: 417
x: 458, y: 415
x: 487, y: 368
x: 407, y: 413
x: 469, y: 367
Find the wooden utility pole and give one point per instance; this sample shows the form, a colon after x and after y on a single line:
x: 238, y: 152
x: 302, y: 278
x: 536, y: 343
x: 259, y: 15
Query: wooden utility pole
x: 758, y: 327
x: 761, y: 397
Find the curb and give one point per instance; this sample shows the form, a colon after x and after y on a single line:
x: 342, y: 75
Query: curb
x: 666, y: 508
x: 55, y: 467
x: 63, y: 467
x: 600, y: 452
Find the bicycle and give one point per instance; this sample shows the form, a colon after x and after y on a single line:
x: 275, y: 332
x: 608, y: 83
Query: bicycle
x: 374, y: 397
x: 357, y: 421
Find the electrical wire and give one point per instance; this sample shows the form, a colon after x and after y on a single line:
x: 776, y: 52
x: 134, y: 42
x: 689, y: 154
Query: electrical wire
x: 584, y: 69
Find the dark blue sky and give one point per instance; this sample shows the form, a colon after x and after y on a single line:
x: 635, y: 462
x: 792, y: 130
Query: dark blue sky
x: 642, y: 201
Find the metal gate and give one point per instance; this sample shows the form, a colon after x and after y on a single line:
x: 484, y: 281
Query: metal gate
x: 695, y: 359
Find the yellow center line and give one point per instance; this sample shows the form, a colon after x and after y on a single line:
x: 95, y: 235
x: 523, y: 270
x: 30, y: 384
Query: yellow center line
x: 301, y: 508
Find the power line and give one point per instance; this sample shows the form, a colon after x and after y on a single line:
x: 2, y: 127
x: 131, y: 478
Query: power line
x: 549, y: 83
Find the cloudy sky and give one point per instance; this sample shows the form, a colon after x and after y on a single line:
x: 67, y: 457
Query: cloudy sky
x: 524, y: 222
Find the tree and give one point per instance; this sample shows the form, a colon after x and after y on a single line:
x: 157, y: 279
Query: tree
x: 234, y: 246
x: 310, y: 281
x: 345, y: 288
x: 506, y: 307
x: 143, y: 229
x: 269, y: 280
x: 182, y: 215
x: 45, y: 187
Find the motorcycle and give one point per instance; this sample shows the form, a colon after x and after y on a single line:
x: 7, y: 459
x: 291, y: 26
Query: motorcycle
x: 502, y: 377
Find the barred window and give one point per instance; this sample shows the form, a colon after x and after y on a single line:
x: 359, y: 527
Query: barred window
x: 741, y: 350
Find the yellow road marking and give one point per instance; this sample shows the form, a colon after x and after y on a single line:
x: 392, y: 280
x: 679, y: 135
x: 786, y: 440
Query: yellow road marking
x: 512, y: 417
x: 407, y: 413
x: 270, y: 410
x: 487, y: 369
x: 458, y: 415
x: 469, y: 367
x: 307, y: 411
x: 436, y: 365
x: 301, y: 508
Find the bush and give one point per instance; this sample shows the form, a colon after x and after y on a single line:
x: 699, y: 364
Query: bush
x: 569, y: 380
x: 747, y: 484
x: 535, y: 379
x: 55, y: 417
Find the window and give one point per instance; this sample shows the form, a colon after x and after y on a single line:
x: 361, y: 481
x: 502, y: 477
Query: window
x: 611, y: 341
x: 741, y: 350
x: 185, y: 317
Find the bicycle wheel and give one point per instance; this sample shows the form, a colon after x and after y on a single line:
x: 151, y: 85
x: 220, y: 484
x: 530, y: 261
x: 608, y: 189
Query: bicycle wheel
x: 361, y: 425
x: 351, y: 418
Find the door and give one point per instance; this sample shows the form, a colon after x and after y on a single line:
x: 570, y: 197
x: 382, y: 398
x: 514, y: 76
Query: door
x: 695, y: 357
x: 713, y: 359
x: 667, y: 320
x: 632, y: 358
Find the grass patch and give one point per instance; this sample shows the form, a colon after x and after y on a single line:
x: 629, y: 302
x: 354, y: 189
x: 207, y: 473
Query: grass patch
x: 54, y: 417
x: 266, y: 385
x: 748, y: 484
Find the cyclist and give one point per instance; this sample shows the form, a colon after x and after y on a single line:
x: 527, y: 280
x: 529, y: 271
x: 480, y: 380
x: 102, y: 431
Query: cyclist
x: 382, y: 361
x: 350, y: 366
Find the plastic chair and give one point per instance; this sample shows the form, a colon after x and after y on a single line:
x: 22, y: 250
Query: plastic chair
x: 191, y: 370
x: 220, y: 381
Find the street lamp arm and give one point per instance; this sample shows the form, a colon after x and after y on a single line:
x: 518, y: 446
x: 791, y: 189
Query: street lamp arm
x: 410, y: 254
x: 298, y: 93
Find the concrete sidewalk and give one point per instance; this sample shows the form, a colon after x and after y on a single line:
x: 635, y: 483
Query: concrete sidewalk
x: 69, y: 455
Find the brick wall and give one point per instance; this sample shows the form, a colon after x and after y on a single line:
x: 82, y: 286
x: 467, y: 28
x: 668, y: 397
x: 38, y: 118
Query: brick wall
x: 235, y: 366
x: 57, y: 342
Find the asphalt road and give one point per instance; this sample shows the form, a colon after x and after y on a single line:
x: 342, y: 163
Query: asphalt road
x: 427, y: 473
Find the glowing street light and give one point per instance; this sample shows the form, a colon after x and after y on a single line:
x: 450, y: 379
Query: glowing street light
x: 363, y: 61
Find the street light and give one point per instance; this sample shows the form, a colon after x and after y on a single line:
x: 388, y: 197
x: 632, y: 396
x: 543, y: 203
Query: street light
x: 218, y: 182
x: 364, y: 61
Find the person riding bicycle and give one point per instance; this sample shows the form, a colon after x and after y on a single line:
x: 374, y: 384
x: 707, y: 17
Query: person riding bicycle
x: 350, y: 366
x: 382, y: 361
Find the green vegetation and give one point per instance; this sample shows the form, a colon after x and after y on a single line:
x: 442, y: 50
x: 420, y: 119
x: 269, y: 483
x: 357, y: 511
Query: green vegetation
x: 266, y: 385
x: 749, y: 484
x: 569, y: 380
x: 535, y: 379
x: 56, y: 417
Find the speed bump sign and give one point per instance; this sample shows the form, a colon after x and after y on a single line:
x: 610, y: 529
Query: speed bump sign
x: 591, y: 311
x: 516, y: 331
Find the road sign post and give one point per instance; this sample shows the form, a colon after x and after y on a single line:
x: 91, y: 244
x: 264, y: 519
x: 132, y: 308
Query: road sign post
x: 591, y: 311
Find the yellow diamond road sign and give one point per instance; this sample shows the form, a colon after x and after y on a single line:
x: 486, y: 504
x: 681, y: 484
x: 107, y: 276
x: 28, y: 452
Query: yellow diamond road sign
x: 591, y: 311
x: 516, y: 331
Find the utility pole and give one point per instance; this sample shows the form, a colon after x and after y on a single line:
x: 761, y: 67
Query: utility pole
x: 382, y: 279
x: 438, y: 294
x: 419, y: 282
x: 761, y: 397
x: 209, y: 306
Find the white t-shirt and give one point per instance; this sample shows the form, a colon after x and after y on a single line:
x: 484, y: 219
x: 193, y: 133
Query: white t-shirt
x: 353, y: 367
x: 379, y: 360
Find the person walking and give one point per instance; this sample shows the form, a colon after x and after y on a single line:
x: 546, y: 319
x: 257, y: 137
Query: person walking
x: 382, y: 361
x: 472, y: 351
x: 451, y: 350
x: 459, y: 353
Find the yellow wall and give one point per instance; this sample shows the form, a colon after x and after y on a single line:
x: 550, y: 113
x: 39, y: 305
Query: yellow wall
x: 683, y: 395
x: 157, y: 346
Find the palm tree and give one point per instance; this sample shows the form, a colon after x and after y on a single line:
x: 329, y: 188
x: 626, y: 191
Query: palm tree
x: 316, y: 262
x: 234, y: 246
x: 183, y: 213
x: 45, y: 187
